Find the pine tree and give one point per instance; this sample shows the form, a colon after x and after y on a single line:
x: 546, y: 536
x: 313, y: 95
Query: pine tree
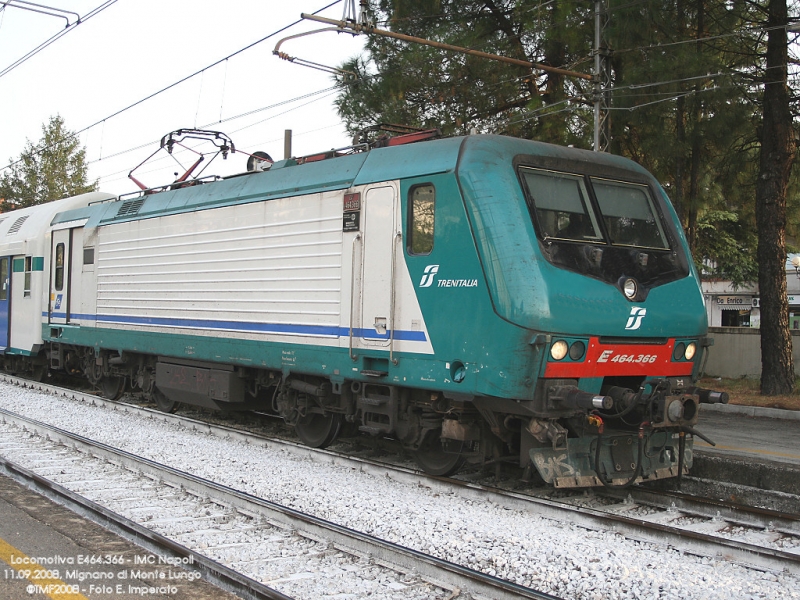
x: 53, y: 168
x: 418, y: 85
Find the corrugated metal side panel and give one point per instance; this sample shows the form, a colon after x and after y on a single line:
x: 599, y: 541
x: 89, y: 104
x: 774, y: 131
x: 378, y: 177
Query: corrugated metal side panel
x: 268, y: 267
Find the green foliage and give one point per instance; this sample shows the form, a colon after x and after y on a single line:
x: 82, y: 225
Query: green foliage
x: 685, y: 99
x: 726, y: 248
x: 53, y: 168
x: 412, y: 84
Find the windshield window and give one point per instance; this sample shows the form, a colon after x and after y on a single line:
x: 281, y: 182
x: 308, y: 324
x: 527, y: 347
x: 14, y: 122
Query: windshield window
x: 563, y: 209
x: 628, y: 214
x: 562, y: 205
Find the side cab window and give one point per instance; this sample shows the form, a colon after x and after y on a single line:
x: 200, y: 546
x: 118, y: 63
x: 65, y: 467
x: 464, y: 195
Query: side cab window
x: 421, y: 218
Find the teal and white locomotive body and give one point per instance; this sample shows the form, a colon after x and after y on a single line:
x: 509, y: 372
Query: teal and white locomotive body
x: 482, y: 299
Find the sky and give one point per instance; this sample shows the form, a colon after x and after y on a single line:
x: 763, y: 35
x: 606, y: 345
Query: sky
x: 134, y: 48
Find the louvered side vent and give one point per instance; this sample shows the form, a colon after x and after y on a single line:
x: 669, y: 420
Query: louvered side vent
x: 130, y: 207
x: 17, y: 224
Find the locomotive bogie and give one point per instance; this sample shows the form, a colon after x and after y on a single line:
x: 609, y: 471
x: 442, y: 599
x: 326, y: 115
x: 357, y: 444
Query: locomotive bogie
x: 421, y: 292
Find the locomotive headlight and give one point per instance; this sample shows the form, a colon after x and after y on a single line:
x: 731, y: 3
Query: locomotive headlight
x: 679, y: 352
x: 629, y: 288
x: 691, y: 348
x: 576, y: 350
x: 559, y: 350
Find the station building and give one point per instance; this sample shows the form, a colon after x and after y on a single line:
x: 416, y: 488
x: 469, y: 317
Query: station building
x: 730, y: 306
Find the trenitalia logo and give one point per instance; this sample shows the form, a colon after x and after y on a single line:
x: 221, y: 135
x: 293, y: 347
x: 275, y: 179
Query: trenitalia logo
x: 635, y: 318
x: 428, y: 275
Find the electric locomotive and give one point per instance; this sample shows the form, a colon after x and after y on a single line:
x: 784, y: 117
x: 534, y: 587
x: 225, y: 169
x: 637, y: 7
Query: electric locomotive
x: 481, y: 298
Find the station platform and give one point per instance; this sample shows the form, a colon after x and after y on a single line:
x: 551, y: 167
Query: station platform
x: 756, y: 460
x: 765, y: 433
x: 47, y: 551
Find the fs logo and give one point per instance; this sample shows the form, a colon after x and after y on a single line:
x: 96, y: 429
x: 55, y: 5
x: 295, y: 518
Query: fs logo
x: 635, y: 319
x: 428, y: 275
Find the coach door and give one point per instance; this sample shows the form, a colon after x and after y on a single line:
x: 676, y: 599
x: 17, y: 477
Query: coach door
x: 5, y: 300
x: 60, y: 261
x: 377, y: 266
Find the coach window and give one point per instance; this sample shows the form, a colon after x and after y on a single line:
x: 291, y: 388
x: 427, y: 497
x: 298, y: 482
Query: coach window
x: 421, y: 202
x: 26, y: 292
x: 59, y: 267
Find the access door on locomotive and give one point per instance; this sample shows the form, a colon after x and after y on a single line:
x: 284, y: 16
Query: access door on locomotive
x: 377, y: 270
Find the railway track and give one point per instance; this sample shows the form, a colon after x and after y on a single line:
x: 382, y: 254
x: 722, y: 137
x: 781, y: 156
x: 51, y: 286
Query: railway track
x: 228, y: 534
x: 681, y: 505
x: 773, y: 543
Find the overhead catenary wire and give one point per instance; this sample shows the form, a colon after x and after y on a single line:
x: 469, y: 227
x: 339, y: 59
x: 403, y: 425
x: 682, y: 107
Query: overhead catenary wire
x: 622, y: 7
x: 57, y: 36
x: 318, y: 93
x: 540, y: 112
x: 199, y: 71
x: 546, y: 111
x: 180, y: 81
x: 283, y: 29
x: 609, y: 9
x: 50, y: 11
x: 123, y: 174
x: 322, y: 93
x: 227, y: 119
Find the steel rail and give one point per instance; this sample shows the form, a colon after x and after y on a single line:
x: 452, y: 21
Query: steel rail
x: 738, y: 514
x: 435, y: 569
x: 215, y: 573
x: 701, y: 544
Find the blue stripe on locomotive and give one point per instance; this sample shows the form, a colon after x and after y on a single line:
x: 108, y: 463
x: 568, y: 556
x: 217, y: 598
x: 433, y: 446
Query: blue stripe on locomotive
x: 245, y: 326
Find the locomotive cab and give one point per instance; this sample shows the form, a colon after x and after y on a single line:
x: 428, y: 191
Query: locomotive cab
x: 600, y: 275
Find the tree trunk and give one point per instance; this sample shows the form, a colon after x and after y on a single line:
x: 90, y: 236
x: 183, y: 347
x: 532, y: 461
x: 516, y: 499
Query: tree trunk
x: 680, y: 131
x: 680, y: 159
x: 777, y: 156
x: 694, y: 177
x: 697, y: 150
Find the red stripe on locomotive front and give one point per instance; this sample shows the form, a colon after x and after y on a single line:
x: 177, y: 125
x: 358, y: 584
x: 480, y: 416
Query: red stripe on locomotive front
x: 604, y: 360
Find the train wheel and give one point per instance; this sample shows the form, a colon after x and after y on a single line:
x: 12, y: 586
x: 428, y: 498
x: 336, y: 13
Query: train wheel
x: 432, y: 458
x: 111, y: 387
x: 319, y: 430
x: 163, y: 403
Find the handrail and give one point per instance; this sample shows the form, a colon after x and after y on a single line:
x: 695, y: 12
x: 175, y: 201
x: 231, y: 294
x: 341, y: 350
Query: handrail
x: 352, y: 291
x: 398, y: 236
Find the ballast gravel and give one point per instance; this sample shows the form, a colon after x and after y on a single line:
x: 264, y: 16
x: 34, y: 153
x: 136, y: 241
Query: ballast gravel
x: 552, y: 556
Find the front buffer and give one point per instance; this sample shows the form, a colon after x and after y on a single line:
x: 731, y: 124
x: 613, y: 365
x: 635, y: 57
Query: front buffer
x: 633, y: 429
